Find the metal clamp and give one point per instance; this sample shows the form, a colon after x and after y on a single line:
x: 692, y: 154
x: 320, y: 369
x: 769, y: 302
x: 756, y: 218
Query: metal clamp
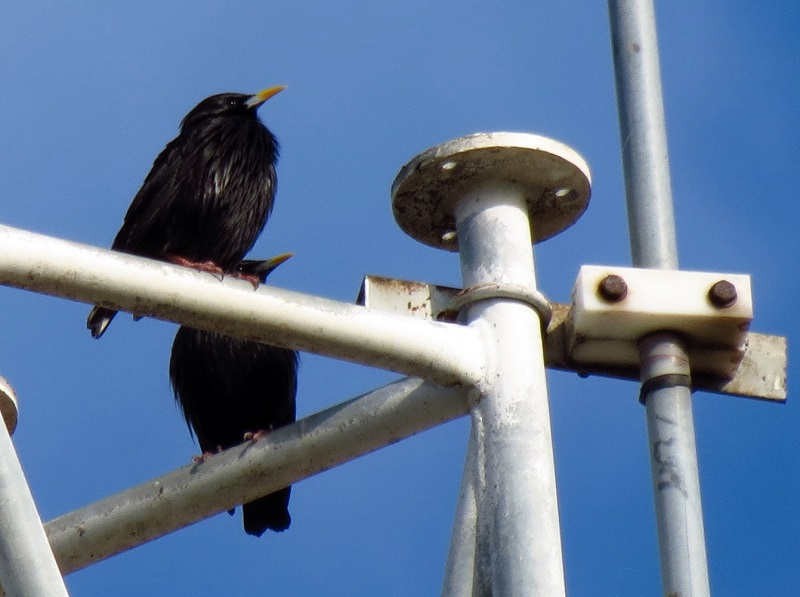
x: 496, y: 290
x: 668, y: 380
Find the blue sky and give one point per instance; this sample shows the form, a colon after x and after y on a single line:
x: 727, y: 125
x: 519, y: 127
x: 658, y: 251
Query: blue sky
x: 92, y: 93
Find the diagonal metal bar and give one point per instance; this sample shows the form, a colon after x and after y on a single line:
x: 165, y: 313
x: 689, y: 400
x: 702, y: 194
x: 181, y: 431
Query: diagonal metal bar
x: 459, y: 575
x: 27, y: 566
x: 287, y: 455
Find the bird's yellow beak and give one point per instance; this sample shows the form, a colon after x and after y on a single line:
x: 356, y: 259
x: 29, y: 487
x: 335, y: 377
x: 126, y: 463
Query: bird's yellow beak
x: 278, y: 259
x: 259, y: 98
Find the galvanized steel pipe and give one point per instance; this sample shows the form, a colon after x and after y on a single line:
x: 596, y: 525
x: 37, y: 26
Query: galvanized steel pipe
x: 444, y: 353
x: 459, y: 574
x: 27, y: 565
x: 518, y: 533
x: 670, y: 425
x: 243, y: 473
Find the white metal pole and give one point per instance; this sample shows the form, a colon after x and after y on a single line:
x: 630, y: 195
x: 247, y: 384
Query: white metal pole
x: 309, y: 446
x: 27, y: 565
x: 440, y: 352
x: 490, y: 196
x: 459, y: 574
x: 665, y: 369
x: 518, y: 526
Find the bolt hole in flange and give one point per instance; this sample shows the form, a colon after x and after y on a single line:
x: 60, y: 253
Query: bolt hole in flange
x: 562, y: 192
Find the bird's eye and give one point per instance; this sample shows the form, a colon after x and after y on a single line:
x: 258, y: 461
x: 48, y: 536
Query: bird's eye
x: 232, y: 103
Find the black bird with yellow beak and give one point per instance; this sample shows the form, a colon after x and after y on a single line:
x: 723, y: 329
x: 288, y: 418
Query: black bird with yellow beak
x: 230, y: 389
x: 209, y: 192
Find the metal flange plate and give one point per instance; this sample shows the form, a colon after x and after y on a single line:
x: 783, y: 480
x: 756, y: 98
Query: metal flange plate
x: 554, y: 179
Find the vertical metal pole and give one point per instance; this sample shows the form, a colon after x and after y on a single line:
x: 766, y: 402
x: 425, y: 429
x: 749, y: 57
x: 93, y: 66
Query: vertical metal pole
x: 502, y: 191
x: 27, y: 565
x: 459, y: 575
x: 670, y: 426
x: 518, y: 534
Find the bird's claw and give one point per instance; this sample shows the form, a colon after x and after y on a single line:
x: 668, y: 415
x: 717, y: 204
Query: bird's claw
x: 251, y: 436
x: 252, y: 278
x: 202, y: 266
x: 202, y: 457
x: 205, y: 455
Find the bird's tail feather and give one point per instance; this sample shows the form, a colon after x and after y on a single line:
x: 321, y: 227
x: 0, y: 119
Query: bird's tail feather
x: 269, y: 512
x: 98, y: 320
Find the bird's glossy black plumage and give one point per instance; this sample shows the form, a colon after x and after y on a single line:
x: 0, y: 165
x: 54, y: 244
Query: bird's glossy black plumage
x: 227, y: 387
x: 209, y: 192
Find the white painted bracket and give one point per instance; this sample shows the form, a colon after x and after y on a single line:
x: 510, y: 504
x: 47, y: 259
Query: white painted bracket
x: 761, y: 372
x: 612, y: 308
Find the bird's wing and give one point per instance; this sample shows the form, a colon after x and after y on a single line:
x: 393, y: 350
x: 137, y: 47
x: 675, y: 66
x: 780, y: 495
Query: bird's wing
x: 153, y: 201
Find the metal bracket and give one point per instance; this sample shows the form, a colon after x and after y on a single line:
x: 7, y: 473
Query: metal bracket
x: 615, y: 307
x: 761, y: 371
x: 534, y: 298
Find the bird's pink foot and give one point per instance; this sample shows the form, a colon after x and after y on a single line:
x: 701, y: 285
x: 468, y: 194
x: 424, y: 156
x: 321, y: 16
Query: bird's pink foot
x: 202, y: 266
x: 253, y: 279
x: 206, y: 455
x: 202, y: 458
x: 251, y: 436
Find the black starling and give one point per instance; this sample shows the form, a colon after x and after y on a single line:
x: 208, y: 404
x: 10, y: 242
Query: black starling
x: 227, y: 388
x: 208, y: 194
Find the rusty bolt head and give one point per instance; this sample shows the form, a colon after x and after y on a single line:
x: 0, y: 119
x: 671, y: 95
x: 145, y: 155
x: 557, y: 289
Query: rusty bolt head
x: 722, y: 294
x: 612, y: 288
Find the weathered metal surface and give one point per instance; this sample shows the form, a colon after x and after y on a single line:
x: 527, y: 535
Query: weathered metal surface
x: 243, y: 473
x: 554, y: 180
x: 8, y: 405
x: 761, y: 373
x: 273, y: 315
